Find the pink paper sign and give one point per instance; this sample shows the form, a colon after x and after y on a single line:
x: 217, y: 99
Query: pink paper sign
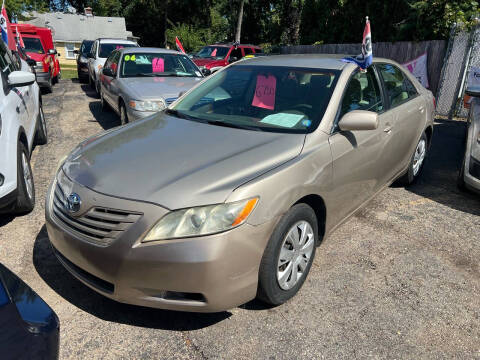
x: 119, y: 47
x: 265, y: 92
x: 214, y: 52
x: 158, y: 65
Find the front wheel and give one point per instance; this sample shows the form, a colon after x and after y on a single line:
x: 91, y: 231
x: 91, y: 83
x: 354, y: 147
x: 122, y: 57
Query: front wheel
x: 288, y: 256
x: 41, y: 137
x: 416, y: 163
x: 25, y: 186
x: 123, y: 114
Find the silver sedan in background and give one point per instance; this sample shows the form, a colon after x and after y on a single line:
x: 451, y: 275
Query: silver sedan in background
x: 138, y: 82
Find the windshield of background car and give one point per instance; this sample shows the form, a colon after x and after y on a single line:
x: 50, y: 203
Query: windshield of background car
x: 86, y: 47
x: 213, y: 52
x: 157, y: 64
x: 267, y: 98
x: 33, y: 45
x: 105, y: 49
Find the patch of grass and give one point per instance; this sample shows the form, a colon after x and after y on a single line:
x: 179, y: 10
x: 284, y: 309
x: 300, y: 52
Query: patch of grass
x: 68, y: 73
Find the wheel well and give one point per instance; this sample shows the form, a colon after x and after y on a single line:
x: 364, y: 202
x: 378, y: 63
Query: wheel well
x: 318, y: 205
x: 429, y: 133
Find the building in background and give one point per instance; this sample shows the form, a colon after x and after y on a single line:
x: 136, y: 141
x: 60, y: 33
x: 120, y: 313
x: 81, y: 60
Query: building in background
x: 69, y: 30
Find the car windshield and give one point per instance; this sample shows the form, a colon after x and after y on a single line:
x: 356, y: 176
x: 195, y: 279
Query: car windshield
x: 33, y: 45
x: 266, y: 98
x: 106, y: 49
x: 157, y: 64
x: 86, y: 47
x: 213, y: 52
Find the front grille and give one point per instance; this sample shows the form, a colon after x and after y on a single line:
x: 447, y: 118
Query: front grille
x: 98, y: 225
x: 170, y: 100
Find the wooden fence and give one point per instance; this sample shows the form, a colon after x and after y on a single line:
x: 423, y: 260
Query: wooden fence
x: 402, y: 52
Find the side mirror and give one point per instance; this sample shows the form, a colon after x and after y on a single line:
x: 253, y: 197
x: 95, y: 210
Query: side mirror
x: 473, y: 91
x: 52, y: 51
x: 206, y: 72
x: 59, y: 54
x: 20, y: 78
x: 76, y: 52
x: 108, y: 72
x: 31, y: 62
x: 358, y: 120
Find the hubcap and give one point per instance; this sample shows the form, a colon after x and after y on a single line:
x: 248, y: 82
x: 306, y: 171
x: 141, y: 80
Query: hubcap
x: 419, y: 156
x: 27, y: 176
x: 295, y: 254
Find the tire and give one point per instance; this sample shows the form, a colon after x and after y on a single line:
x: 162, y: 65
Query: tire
x: 49, y: 86
x: 26, y: 189
x: 123, y: 114
x: 461, y: 176
x: 417, y: 162
x: 41, y: 136
x: 273, y: 288
x: 97, y: 87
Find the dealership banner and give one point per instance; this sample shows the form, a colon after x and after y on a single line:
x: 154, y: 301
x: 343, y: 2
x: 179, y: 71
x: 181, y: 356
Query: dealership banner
x: 418, y: 67
x: 474, y: 77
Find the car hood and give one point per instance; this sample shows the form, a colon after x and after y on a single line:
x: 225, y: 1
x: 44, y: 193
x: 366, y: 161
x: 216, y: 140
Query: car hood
x: 36, y: 56
x: 177, y: 163
x: 155, y: 87
x: 208, y: 62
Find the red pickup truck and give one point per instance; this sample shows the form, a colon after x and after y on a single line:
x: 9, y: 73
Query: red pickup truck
x: 214, y: 57
x: 39, y: 46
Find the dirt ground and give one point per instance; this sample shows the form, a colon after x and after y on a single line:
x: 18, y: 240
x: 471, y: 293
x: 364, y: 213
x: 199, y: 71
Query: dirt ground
x: 400, y: 279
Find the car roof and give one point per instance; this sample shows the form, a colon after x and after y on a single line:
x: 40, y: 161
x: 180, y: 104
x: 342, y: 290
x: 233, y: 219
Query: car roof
x: 115, y: 41
x: 320, y: 61
x: 150, y: 50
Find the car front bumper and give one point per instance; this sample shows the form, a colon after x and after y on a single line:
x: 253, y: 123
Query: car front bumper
x: 202, y: 274
x: 134, y: 115
x: 472, y: 175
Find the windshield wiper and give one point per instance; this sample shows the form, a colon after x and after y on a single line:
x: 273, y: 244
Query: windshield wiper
x: 182, y: 115
x: 235, y: 126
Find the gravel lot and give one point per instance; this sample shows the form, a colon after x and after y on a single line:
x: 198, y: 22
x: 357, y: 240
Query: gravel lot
x: 400, y: 279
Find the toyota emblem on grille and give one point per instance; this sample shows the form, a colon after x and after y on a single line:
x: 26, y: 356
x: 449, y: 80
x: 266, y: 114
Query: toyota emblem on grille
x: 73, y: 203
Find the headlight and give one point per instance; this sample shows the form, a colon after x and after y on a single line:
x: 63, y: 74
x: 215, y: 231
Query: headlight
x: 82, y: 59
x: 148, y: 105
x: 202, y: 220
x: 39, y: 66
x: 60, y: 163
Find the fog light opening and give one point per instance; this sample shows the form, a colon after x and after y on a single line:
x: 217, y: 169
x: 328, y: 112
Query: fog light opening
x: 2, y: 179
x: 183, y: 296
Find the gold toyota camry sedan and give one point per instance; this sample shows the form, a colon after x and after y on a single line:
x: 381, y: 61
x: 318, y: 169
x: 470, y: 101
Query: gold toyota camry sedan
x: 225, y: 195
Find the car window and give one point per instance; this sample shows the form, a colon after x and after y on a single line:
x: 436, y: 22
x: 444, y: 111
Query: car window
x: 266, y: 98
x: 106, y: 49
x: 93, y: 52
x: 158, y: 65
x: 109, y: 61
x: 33, y: 45
x: 362, y: 93
x: 212, y: 52
x: 399, y: 88
x: 86, y: 47
x: 237, y: 53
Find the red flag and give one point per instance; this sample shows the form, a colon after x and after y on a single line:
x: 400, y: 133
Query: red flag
x: 179, y: 45
x: 7, y: 33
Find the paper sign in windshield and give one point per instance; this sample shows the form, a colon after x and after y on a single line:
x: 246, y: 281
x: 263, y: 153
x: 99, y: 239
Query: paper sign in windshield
x: 119, y: 47
x: 158, y: 65
x: 283, y: 119
x: 265, y: 92
x: 214, y: 52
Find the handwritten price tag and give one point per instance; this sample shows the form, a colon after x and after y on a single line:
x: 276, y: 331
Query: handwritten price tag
x: 265, y: 92
x: 158, y: 65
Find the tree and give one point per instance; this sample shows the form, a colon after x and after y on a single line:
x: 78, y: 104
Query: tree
x: 239, y: 21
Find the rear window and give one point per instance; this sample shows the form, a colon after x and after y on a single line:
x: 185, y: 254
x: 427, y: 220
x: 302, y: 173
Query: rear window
x: 106, y: 49
x: 33, y: 45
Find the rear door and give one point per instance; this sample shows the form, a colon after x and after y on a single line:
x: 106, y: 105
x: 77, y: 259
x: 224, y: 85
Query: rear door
x: 111, y: 83
x: 359, y: 156
x: 408, y: 110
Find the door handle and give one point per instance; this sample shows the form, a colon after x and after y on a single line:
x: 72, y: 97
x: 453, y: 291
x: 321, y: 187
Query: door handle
x: 388, y: 129
x: 18, y: 109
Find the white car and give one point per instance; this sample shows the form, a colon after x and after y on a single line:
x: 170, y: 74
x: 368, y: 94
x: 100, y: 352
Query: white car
x: 22, y: 124
x: 99, y: 53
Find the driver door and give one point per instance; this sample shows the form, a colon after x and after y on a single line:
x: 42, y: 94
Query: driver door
x: 358, y: 156
x: 108, y: 81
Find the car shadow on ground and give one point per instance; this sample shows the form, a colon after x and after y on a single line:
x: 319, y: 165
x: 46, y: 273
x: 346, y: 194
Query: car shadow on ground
x: 438, y: 181
x: 106, y: 119
x: 6, y: 218
x: 89, y: 91
x: 81, y: 296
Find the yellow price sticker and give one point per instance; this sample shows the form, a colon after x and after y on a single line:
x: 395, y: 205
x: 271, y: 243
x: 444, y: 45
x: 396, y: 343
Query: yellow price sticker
x: 133, y: 58
x: 127, y: 58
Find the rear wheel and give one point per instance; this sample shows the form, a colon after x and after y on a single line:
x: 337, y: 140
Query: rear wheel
x: 288, y: 256
x: 416, y: 163
x: 49, y: 86
x: 25, y: 185
x: 41, y: 137
x: 123, y: 114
